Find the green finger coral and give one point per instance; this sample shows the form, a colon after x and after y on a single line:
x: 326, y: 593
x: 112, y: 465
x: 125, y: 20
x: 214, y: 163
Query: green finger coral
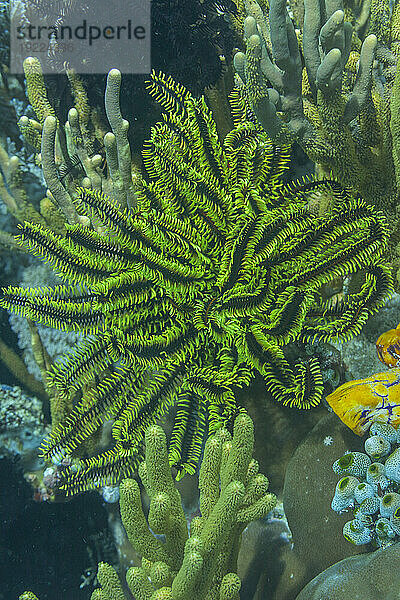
x: 176, y: 563
x: 203, y: 563
x: 213, y: 277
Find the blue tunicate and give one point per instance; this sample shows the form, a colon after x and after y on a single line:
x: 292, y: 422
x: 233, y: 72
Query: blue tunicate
x: 356, y: 533
x: 384, y: 531
x: 376, y: 447
x: 363, y: 491
x: 344, y: 493
x: 384, y: 430
x: 352, y: 463
x: 376, y: 475
x: 395, y: 520
x: 389, y: 503
x: 370, y: 506
x: 392, y: 466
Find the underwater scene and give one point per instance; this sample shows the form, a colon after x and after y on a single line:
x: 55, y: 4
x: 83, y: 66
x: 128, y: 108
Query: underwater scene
x: 200, y: 300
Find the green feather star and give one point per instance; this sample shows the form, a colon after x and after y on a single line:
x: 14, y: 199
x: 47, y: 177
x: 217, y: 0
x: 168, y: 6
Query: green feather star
x: 203, y: 284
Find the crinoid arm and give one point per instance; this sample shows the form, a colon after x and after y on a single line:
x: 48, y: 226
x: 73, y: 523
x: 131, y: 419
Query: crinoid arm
x: 218, y: 269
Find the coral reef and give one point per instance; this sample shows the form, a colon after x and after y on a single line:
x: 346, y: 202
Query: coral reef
x: 323, y: 100
x: 216, y: 270
x: 73, y: 154
x: 333, y: 87
x: 370, y: 485
x: 200, y: 268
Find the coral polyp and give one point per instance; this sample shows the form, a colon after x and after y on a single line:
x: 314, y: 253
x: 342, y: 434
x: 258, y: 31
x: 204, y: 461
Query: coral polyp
x: 208, y: 280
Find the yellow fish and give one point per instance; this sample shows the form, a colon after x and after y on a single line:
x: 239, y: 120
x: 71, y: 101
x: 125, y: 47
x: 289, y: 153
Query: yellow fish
x: 363, y: 402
